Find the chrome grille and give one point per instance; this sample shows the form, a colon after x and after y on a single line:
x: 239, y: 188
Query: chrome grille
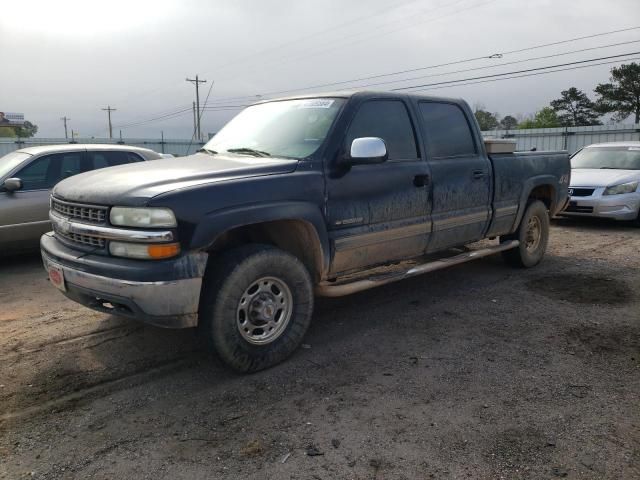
x: 88, y: 240
x: 84, y: 213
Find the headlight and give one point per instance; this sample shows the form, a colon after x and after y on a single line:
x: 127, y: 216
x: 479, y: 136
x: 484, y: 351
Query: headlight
x: 142, y: 217
x: 622, y: 188
x: 144, y: 251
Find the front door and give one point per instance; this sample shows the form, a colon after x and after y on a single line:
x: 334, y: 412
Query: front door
x: 378, y: 213
x: 24, y: 214
x: 461, y: 176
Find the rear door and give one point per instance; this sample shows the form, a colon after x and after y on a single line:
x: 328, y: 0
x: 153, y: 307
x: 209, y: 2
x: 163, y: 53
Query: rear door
x: 461, y: 176
x: 24, y: 214
x: 380, y: 212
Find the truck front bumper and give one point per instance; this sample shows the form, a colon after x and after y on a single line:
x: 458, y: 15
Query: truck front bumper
x: 162, y: 293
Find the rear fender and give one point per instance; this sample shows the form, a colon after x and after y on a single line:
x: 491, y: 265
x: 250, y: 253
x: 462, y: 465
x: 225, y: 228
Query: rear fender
x: 528, y: 187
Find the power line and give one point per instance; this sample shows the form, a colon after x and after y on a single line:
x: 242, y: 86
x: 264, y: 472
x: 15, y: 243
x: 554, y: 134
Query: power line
x: 572, y: 40
x: 295, y: 41
x: 221, y: 103
x: 160, y: 117
x: 180, y: 113
x: 317, y: 33
x: 429, y: 67
x: 515, y: 72
x: 484, y: 67
x: 377, y: 33
x: 526, y: 75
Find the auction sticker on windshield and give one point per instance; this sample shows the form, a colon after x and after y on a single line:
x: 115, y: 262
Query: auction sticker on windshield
x: 56, y: 276
x: 316, y: 103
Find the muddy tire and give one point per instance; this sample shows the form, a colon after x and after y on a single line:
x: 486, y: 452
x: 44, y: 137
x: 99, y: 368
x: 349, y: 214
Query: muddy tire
x: 533, y: 234
x: 256, y: 306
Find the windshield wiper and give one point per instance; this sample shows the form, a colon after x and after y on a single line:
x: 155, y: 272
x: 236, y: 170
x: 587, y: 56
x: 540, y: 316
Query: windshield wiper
x: 610, y: 168
x: 206, y: 150
x: 249, y: 151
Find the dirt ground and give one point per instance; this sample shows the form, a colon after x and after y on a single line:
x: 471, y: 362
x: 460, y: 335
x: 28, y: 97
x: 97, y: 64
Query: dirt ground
x: 480, y: 371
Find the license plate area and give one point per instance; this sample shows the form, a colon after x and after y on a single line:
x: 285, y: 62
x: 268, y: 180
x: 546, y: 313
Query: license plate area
x: 56, y: 277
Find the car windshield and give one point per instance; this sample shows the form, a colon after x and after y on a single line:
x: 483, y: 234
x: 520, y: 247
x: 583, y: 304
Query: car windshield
x: 617, y: 158
x: 288, y: 128
x: 11, y: 161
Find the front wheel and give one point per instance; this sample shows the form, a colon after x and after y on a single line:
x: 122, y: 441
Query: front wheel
x: 256, y: 306
x: 533, y: 234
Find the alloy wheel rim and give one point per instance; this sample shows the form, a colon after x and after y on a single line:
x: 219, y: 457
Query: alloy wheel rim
x: 264, y: 310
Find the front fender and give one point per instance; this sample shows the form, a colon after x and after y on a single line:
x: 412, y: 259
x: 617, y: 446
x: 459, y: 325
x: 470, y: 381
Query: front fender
x: 216, y: 223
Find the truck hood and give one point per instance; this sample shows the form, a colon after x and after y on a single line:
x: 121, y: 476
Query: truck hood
x: 597, y: 177
x: 135, y: 184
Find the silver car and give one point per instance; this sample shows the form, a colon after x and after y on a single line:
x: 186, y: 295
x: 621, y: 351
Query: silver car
x: 27, y: 176
x: 605, y: 181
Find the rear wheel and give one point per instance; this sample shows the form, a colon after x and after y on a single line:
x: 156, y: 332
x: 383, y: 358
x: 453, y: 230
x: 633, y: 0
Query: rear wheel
x: 533, y: 234
x: 256, y: 306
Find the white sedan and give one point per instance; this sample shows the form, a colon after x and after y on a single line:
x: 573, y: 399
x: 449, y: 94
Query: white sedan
x: 604, y: 182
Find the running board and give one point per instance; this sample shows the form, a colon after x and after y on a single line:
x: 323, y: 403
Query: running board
x: 331, y: 289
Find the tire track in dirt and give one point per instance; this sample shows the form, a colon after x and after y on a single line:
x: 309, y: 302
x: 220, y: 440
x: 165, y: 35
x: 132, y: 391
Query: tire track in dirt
x: 73, y: 339
x: 104, y: 387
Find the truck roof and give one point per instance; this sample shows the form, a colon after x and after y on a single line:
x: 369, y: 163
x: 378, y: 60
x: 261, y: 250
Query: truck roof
x: 363, y: 94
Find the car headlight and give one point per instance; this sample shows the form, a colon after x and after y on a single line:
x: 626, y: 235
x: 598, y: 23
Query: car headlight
x: 622, y: 188
x: 142, y: 217
x: 144, y: 251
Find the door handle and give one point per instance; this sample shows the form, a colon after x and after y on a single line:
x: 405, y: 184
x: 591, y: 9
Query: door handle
x: 477, y: 174
x: 421, y: 180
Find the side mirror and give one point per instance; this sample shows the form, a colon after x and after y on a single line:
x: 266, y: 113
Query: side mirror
x: 367, y: 150
x: 12, y: 184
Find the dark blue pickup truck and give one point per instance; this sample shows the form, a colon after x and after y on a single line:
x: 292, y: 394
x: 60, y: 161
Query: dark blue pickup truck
x: 318, y: 195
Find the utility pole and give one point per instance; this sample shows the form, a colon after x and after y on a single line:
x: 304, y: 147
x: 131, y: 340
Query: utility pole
x: 197, y: 83
x: 109, y: 110
x: 65, y: 120
x: 195, y: 121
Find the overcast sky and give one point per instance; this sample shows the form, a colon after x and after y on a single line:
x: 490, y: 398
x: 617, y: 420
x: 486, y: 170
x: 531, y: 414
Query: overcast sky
x: 74, y: 57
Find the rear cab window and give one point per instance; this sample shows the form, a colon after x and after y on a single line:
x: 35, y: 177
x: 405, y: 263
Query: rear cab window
x: 446, y: 130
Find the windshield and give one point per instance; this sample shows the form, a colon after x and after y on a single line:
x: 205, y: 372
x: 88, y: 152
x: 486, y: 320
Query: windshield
x: 289, y: 128
x: 11, y: 161
x: 618, y: 158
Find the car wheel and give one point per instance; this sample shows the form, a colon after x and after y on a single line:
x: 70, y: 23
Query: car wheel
x: 533, y: 234
x: 256, y: 306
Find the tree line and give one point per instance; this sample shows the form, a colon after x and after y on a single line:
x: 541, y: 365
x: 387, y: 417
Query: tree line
x: 27, y: 129
x: 619, y: 97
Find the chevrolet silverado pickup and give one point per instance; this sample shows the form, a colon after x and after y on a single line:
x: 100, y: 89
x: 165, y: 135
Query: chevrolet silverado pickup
x: 321, y: 195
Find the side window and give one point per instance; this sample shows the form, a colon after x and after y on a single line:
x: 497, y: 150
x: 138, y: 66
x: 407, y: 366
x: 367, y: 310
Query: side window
x: 99, y: 160
x: 134, y: 157
x: 46, y: 171
x: 389, y: 120
x: 446, y: 129
x: 113, y: 158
